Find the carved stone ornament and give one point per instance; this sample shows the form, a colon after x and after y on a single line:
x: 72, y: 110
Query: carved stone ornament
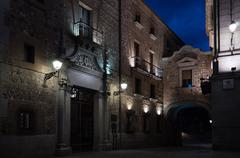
x: 86, y: 60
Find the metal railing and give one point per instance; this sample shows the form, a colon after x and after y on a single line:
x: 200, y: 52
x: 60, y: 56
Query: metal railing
x: 147, y: 67
x: 87, y: 32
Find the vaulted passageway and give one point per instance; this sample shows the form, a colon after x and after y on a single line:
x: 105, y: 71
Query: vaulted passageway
x: 193, y: 121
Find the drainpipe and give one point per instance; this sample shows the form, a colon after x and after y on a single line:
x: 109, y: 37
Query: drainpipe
x: 216, y: 36
x: 120, y: 70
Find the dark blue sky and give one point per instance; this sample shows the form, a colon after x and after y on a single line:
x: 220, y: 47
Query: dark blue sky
x: 185, y: 17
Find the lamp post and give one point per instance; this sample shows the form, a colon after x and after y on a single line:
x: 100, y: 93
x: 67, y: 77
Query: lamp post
x: 123, y: 86
x: 64, y: 90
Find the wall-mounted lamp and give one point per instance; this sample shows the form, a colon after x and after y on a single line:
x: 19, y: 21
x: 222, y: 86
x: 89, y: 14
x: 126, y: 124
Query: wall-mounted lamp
x: 57, y: 65
x: 145, y: 108
x: 124, y: 86
x: 159, y: 110
x: 73, y: 92
x: 129, y: 105
x: 233, y: 26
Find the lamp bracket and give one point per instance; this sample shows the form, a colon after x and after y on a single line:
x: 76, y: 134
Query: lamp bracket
x: 49, y: 75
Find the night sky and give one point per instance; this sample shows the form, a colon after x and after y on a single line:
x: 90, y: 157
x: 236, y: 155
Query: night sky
x: 185, y: 17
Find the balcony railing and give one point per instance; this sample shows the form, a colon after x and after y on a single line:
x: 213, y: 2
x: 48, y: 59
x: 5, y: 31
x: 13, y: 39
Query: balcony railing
x: 87, y: 32
x: 146, y: 67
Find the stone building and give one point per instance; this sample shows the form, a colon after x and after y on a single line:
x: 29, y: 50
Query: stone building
x: 29, y: 41
x: 184, y: 103
x: 43, y: 112
x: 223, y: 22
x: 81, y: 106
x: 145, y: 41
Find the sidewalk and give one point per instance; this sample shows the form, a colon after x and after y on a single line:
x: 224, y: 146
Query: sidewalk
x: 181, y: 152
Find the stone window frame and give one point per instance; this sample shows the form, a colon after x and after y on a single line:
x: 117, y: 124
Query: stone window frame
x: 25, y: 125
x: 84, y: 6
x: 140, y: 90
x: 137, y: 19
x: 139, y: 48
x: 182, y: 84
x: 92, y: 15
x: 29, y: 53
x: 186, y: 63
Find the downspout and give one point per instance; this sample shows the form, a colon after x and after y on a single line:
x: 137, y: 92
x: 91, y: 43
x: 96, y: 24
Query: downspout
x: 120, y: 70
x: 216, y: 32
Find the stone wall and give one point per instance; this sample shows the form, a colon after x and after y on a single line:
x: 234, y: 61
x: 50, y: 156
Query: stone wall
x: 22, y: 86
x: 193, y: 59
x: 143, y: 125
x: 225, y: 89
x: 21, y: 81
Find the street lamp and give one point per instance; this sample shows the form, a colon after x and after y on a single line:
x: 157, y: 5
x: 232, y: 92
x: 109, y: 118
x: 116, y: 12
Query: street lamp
x: 124, y: 85
x: 57, y: 64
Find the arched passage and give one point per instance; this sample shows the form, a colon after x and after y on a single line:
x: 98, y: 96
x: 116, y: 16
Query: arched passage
x: 192, y: 120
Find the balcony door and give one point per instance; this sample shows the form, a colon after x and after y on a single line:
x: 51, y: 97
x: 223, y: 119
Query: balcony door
x: 151, y: 62
x: 85, y: 27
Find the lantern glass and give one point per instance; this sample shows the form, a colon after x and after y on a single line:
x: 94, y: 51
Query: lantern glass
x: 57, y: 65
x: 124, y: 86
x: 233, y: 26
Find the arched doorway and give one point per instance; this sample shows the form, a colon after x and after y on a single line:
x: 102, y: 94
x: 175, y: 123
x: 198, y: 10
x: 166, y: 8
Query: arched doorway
x: 193, y: 121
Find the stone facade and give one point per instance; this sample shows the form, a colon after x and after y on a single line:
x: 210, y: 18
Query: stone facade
x: 187, y: 58
x: 186, y: 106
x: 47, y: 29
x: 142, y: 124
x: 224, y: 97
x: 36, y: 116
x: 23, y: 95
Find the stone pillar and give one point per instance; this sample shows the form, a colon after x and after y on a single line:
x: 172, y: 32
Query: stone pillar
x: 63, y: 121
x: 105, y: 145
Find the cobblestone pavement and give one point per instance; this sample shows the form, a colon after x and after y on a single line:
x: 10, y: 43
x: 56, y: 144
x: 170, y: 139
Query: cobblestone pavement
x: 181, y: 152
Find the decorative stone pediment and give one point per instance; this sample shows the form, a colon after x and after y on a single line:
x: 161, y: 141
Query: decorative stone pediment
x: 187, y: 61
x: 85, y: 59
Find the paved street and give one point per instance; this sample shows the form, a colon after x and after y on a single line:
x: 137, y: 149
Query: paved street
x: 181, y: 152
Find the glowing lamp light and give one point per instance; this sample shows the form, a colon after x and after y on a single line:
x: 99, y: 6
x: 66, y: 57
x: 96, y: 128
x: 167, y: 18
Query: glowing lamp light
x: 129, y: 106
x: 210, y: 121
x: 145, y: 108
x: 57, y: 65
x: 158, y: 110
x: 233, y: 26
x: 124, y: 86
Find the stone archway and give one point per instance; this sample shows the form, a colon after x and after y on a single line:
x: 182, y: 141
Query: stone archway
x: 192, y: 120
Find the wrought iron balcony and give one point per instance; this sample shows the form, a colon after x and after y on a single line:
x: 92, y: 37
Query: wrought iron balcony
x: 146, y: 67
x: 88, y: 33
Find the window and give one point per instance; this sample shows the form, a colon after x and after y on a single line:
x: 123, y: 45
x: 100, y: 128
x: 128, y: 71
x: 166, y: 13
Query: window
x: 187, y: 78
x: 152, y: 91
x: 29, y: 53
x: 25, y: 122
x: 152, y: 30
x: 138, y: 18
x: 151, y: 62
x: 138, y: 86
x: 136, y: 49
x: 84, y: 28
